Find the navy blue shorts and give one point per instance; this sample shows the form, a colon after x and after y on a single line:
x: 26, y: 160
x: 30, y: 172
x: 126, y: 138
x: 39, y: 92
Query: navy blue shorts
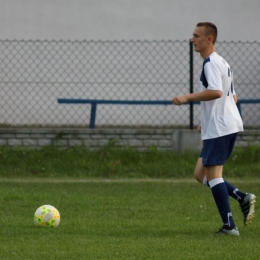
x: 217, y: 150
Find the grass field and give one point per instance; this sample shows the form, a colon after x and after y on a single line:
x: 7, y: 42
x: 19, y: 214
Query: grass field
x: 121, y: 219
x: 120, y: 204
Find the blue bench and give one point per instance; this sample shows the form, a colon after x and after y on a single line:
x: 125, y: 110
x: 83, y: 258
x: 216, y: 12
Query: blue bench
x: 95, y: 102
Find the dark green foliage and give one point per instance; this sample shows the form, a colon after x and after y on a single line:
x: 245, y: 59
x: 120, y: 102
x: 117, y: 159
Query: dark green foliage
x: 113, y: 162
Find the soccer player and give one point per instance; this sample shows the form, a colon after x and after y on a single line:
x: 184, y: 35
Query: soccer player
x: 220, y: 124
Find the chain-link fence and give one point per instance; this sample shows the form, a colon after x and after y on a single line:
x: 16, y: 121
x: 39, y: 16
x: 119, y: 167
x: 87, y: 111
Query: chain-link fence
x: 35, y: 73
x: 244, y: 59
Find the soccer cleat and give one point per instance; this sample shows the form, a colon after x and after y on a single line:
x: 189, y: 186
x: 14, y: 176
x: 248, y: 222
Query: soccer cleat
x: 248, y: 208
x: 222, y: 231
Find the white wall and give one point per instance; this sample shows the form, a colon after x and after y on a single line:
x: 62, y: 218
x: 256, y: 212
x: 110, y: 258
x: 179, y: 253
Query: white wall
x: 237, y: 20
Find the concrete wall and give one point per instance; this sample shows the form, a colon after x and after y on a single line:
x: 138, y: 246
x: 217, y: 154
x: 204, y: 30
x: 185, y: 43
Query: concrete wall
x: 140, y: 139
x: 237, y: 20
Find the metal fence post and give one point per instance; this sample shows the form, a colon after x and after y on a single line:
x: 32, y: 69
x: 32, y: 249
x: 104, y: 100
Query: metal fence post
x: 191, y: 83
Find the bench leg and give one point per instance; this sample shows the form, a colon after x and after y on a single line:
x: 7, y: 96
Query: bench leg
x: 93, y: 115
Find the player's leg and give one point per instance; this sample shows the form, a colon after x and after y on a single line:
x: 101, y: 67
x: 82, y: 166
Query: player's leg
x: 221, y: 197
x: 200, y: 173
x: 213, y: 158
x: 246, y: 200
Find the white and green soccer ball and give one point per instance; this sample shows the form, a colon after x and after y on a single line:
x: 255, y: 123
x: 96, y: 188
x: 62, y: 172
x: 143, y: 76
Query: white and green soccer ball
x: 47, y: 216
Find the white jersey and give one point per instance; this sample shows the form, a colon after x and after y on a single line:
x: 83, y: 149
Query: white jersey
x: 219, y: 117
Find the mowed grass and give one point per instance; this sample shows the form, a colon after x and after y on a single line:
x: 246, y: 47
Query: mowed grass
x: 146, y: 219
x: 120, y: 204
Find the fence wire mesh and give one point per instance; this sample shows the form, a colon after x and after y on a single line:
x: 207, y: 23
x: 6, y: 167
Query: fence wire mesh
x: 35, y: 73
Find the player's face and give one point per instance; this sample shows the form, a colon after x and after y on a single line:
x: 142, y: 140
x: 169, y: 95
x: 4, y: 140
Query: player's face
x: 199, y: 39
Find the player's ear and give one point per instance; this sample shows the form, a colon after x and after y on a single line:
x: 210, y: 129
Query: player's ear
x: 210, y: 39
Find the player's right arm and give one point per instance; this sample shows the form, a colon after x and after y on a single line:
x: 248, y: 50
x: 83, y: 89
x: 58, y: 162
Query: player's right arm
x: 205, y: 95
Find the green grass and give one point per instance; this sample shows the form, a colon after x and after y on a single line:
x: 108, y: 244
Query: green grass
x: 112, y: 162
x: 120, y: 204
x: 116, y: 219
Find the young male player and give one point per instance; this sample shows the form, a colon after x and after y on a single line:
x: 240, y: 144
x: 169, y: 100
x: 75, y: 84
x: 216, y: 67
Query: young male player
x: 220, y: 124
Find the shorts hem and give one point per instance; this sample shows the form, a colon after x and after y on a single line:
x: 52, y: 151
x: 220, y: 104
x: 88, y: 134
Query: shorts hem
x: 212, y: 163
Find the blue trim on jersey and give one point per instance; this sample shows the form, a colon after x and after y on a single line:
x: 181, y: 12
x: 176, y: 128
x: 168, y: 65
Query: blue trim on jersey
x: 202, y: 75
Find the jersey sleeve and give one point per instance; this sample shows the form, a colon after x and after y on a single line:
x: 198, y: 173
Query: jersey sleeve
x: 213, y: 76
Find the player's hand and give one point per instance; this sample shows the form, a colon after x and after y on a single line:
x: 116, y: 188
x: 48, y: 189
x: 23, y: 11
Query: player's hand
x: 199, y: 128
x: 179, y: 100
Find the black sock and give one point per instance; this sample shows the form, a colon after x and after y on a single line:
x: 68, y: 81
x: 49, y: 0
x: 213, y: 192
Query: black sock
x: 220, y: 194
x: 234, y: 192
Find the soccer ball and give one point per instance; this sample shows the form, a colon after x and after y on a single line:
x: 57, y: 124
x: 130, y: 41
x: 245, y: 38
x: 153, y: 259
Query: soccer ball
x: 47, y: 216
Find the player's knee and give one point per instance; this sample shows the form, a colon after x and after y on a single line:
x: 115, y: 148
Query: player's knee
x: 197, y: 176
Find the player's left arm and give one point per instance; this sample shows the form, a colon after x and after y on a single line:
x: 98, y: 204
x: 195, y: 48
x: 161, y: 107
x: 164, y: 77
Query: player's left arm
x: 234, y: 92
x: 233, y: 87
x: 235, y: 98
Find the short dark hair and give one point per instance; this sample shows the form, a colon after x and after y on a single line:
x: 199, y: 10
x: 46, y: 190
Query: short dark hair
x: 210, y: 29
